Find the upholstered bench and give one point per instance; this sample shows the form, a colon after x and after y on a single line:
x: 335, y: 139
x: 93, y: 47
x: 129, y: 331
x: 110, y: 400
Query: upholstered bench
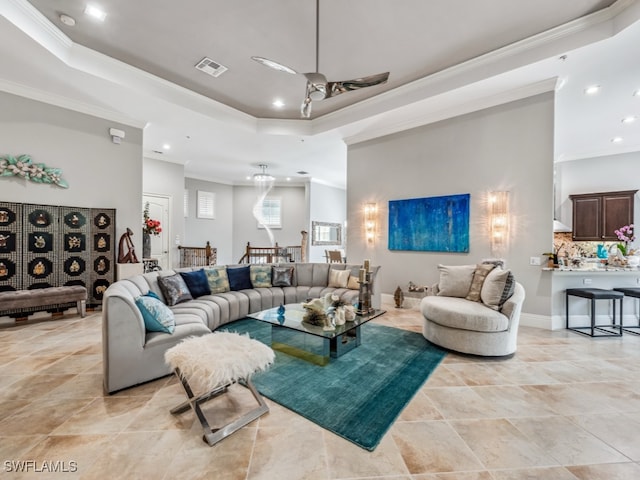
x: 20, y: 303
x: 207, y: 365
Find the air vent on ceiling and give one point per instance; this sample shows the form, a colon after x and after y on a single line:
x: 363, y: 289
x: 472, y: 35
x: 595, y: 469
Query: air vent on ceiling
x: 210, y: 67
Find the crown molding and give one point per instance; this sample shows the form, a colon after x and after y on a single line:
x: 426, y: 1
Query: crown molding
x: 429, y: 111
x: 597, y: 26
x: 580, y: 32
x: 151, y: 155
x: 24, y: 16
x: 69, y: 104
x: 620, y: 150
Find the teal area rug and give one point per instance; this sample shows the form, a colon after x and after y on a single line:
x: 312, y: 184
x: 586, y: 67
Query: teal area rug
x: 357, y: 396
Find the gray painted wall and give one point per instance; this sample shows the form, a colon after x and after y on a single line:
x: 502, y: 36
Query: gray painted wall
x: 217, y: 231
x: 99, y: 172
x: 327, y: 204
x: 508, y: 147
x: 245, y: 228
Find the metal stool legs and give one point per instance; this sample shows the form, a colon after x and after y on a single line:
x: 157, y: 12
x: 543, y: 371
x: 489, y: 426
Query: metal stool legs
x: 633, y: 293
x: 214, y: 435
x: 596, y: 330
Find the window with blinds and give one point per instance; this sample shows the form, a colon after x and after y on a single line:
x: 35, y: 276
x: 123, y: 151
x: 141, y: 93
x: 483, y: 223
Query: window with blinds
x: 206, y: 205
x: 272, y: 212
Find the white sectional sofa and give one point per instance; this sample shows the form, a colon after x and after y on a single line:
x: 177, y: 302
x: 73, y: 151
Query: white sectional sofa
x: 133, y: 355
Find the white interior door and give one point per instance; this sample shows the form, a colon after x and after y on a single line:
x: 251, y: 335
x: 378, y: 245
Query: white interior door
x: 159, y: 210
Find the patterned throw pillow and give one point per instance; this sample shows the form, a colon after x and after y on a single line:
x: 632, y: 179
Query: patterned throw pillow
x: 282, y: 276
x: 479, y: 275
x: 239, y: 278
x: 218, y: 279
x: 354, y: 283
x: 260, y: 276
x: 197, y: 283
x: 174, y: 289
x: 338, y: 278
x: 498, y: 287
x: 156, y: 315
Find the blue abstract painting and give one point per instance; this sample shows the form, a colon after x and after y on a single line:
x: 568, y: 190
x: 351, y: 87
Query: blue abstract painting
x: 433, y: 224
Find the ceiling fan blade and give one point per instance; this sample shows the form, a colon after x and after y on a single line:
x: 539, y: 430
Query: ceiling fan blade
x: 305, y: 108
x: 336, y: 88
x: 275, y: 65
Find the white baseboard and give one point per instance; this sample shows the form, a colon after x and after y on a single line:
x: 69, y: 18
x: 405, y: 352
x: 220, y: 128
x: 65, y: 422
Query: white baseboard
x: 408, y: 302
x: 536, y: 320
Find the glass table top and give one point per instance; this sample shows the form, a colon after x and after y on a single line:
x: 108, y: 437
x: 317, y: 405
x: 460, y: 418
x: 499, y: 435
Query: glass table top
x: 294, y: 313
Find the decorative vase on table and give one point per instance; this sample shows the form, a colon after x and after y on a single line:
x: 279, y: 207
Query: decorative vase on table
x: 150, y: 227
x: 146, y: 245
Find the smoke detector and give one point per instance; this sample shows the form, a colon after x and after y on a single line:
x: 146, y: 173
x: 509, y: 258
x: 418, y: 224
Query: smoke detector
x: 211, y: 67
x: 67, y: 20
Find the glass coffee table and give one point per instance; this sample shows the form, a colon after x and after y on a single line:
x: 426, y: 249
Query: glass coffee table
x: 290, y: 335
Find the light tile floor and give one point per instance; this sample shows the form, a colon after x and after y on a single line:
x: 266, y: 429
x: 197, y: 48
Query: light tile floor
x: 564, y: 407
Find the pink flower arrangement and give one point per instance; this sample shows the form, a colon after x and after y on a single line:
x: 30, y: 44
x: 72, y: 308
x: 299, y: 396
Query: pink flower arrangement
x: 626, y: 236
x: 149, y: 225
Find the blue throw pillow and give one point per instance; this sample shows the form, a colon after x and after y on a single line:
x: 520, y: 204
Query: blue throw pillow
x: 197, y: 283
x: 156, y: 315
x: 153, y: 294
x: 239, y: 278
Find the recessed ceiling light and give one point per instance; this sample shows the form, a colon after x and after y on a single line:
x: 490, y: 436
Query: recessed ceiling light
x: 278, y: 103
x: 629, y: 119
x: 248, y: 177
x: 166, y: 146
x: 67, y: 20
x: 636, y: 93
x: 592, y: 90
x: 288, y: 179
x: 95, y: 12
x: 616, y: 139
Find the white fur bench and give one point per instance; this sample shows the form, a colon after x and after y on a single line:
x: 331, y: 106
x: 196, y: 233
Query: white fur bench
x: 20, y: 303
x: 207, y: 365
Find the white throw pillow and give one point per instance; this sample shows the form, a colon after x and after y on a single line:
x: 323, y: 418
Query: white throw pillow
x: 338, y: 278
x: 455, y: 281
x: 497, y: 288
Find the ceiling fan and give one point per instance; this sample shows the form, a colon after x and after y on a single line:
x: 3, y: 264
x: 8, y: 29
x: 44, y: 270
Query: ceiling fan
x: 318, y: 87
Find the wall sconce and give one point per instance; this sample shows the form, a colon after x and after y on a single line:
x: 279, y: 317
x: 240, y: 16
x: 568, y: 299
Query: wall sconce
x: 370, y: 221
x: 499, y: 221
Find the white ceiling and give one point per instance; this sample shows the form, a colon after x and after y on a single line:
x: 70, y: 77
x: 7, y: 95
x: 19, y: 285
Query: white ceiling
x: 445, y: 58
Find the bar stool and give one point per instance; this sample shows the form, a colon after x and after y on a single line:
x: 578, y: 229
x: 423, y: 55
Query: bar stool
x: 634, y: 293
x: 593, y: 294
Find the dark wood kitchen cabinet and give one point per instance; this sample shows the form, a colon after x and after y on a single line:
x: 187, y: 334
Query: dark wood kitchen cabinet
x: 597, y: 215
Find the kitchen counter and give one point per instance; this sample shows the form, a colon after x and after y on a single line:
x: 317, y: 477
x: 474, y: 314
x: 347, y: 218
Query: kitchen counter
x: 616, y: 270
x: 607, y: 278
